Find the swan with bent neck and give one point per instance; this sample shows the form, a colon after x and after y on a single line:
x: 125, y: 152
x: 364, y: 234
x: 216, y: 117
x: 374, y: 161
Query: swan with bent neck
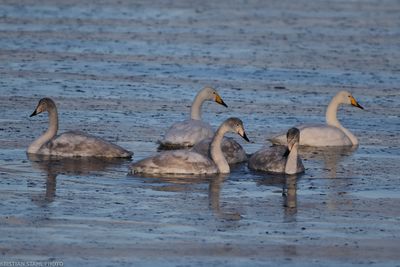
x: 189, y: 162
x: 71, y: 143
x: 279, y: 159
x: 330, y: 134
x: 189, y: 132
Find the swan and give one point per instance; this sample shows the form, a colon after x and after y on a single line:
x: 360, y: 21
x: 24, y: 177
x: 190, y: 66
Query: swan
x: 330, y: 134
x: 71, y: 143
x: 189, y: 162
x: 191, y: 131
x: 279, y: 159
x: 233, y: 151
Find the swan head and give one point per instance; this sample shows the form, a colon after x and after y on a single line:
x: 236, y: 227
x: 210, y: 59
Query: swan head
x: 211, y: 94
x: 293, y: 139
x: 236, y: 125
x: 347, y: 98
x: 44, y: 104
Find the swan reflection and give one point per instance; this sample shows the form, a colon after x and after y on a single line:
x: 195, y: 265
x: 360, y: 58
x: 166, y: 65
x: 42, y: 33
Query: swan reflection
x: 53, y: 166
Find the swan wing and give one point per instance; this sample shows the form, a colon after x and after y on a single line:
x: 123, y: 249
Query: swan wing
x: 186, y: 133
x: 232, y: 150
x: 175, y: 162
x: 79, y: 144
x: 269, y: 159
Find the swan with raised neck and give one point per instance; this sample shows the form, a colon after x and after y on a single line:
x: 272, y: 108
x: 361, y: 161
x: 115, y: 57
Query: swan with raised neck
x: 343, y: 97
x: 45, y: 104
x: 330, y: 134
x: 206, y: 94
x: 72, y: 143
x: 193, y: 130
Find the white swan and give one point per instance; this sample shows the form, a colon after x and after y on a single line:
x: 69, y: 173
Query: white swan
x: 279, y: 159
x: 189, y: 132
x: 233, y: 151
x: 330, y: 134
x: 72, y: 143
x: 191, y: 163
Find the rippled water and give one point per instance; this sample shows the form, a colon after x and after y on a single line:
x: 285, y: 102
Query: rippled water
x: 126, y: 71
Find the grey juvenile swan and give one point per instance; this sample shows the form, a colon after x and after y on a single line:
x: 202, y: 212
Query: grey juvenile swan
x: 191, y: 163
x: 72, y: 143
x: 279, y: 159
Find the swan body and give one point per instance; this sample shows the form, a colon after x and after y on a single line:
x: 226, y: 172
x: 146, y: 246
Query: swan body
x: 233, y: 151
x: 190, y: 162
x: 330, y: 134
x: 186, y: 133
x: 279, y: 159
x: 71, y: 143
x: 191, y: 131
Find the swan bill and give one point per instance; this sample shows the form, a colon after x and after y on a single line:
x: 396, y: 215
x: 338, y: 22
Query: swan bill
x: 34, y: 113
x: 245, y: 136
x: 219, y: 100
x: 355, y: 103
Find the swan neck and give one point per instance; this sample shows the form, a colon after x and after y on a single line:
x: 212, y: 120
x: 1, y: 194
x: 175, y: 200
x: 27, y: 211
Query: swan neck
x: 195, y: 111
x: 49, y: 134
x: 291, y: 162
x: 331, y: 113
x: 331, y: 119
x: 216, y: 151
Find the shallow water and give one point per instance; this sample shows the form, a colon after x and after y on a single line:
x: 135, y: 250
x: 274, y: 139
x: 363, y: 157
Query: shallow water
x: 125, y: 72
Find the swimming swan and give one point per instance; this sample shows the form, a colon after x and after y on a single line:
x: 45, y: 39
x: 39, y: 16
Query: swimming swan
x: 189, y: 132
x: 189, y: 162
x: 279, y: 159
x: 330, y: 134
x: 233, y: 151
x: 72, y: 143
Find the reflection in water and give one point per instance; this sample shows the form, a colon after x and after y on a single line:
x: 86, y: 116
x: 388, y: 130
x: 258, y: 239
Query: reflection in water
x: 178, y: 183
x: 53, y: 166
x: 330, y: 156
x: 214, y: 193
x: 288, y: 183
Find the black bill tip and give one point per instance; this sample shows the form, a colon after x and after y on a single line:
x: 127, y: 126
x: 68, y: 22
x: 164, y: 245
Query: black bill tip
x: 359, y: 106
x: 245, y: 137
x: 33, y: 113
x: 223, y: 103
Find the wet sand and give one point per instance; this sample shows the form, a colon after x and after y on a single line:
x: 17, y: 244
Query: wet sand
x: 124, y: 71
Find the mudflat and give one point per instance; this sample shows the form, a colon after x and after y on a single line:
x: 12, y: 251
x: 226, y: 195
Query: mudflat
x: 126, y: 70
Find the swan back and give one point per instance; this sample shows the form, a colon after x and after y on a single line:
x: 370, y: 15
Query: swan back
x: 175, y: 162
x: 233, y: 151
x: 79, y: 144
x: 186, y: 134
